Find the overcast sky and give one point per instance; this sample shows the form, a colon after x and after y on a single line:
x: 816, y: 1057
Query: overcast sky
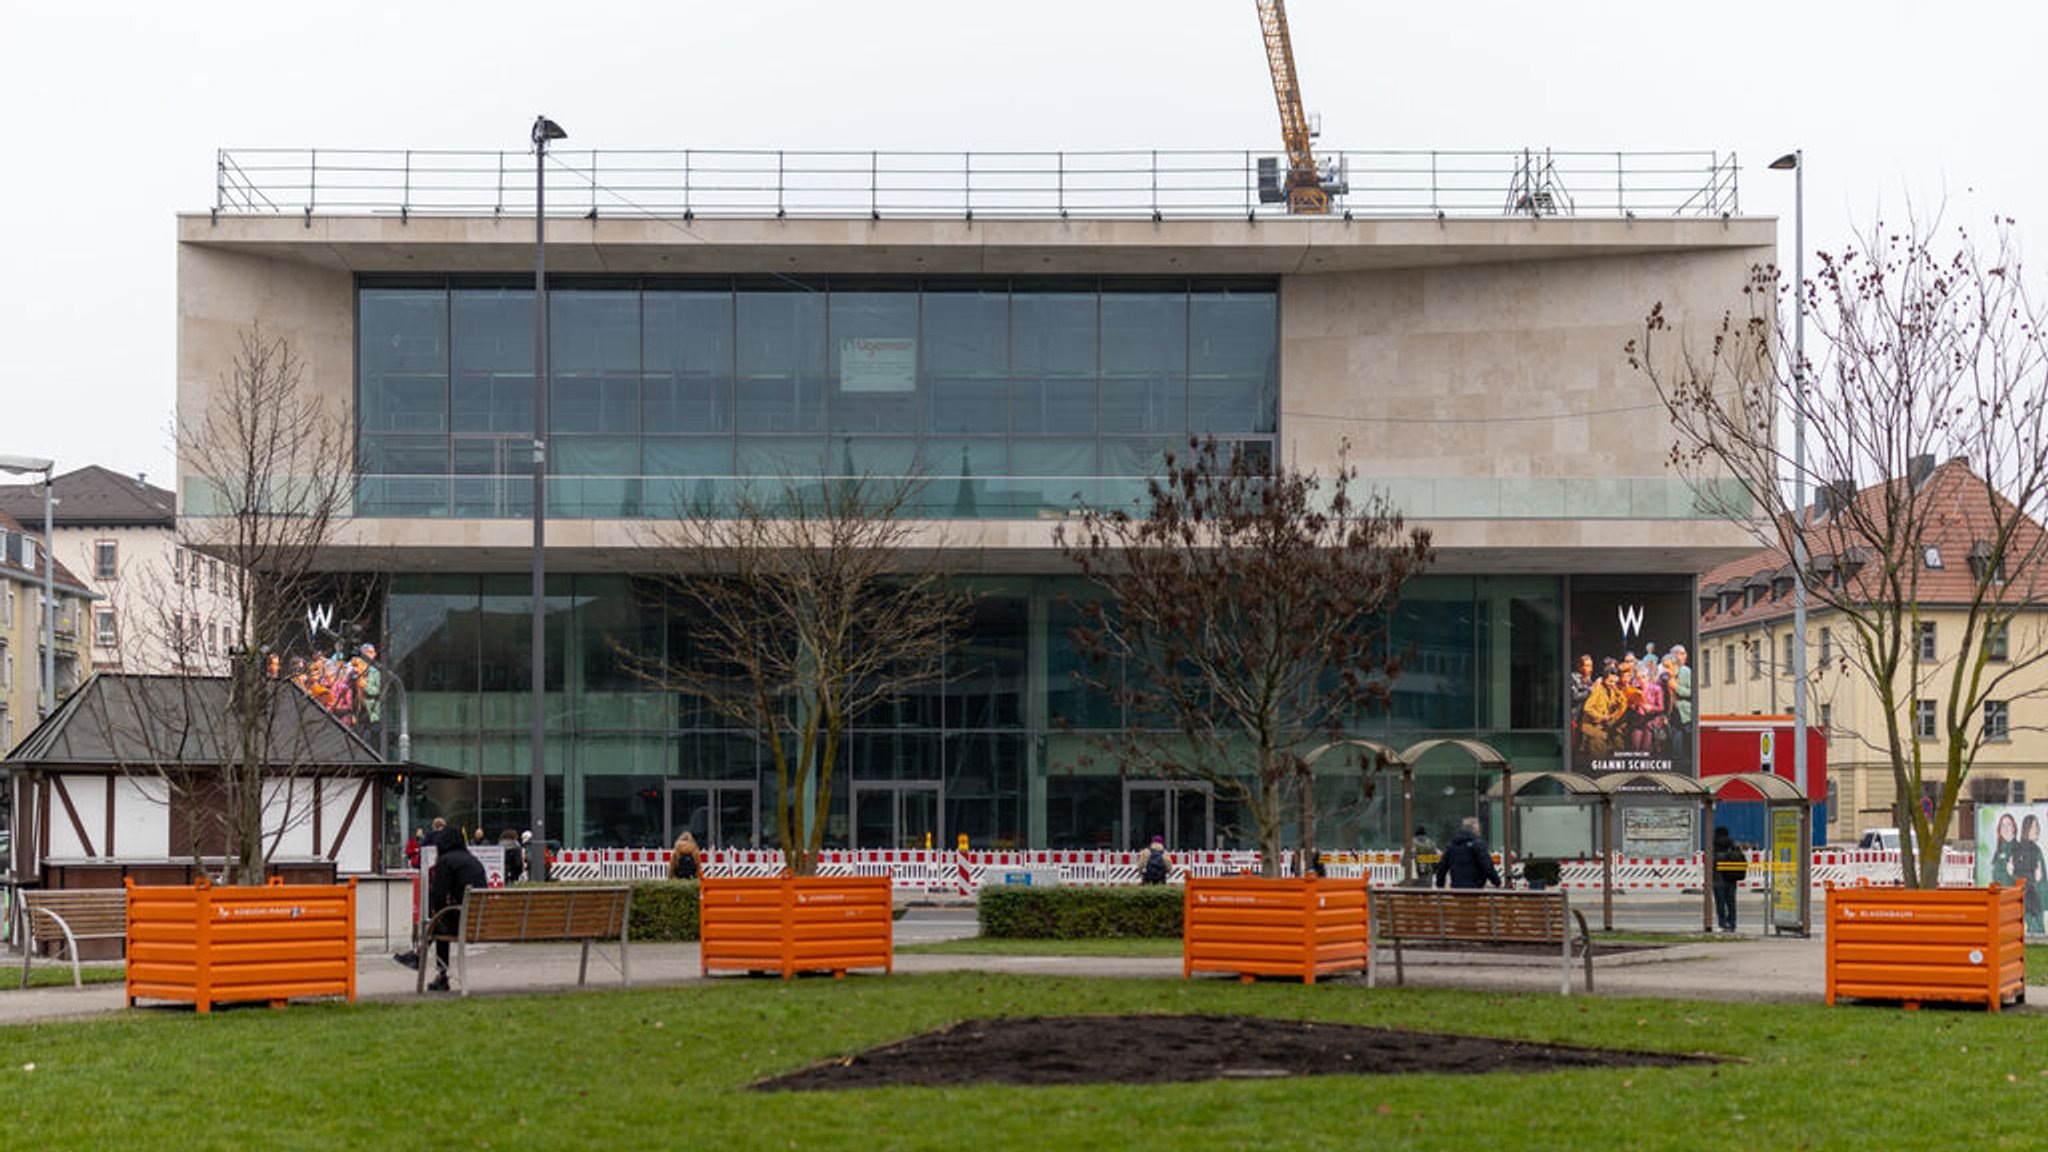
x: 114, y: 113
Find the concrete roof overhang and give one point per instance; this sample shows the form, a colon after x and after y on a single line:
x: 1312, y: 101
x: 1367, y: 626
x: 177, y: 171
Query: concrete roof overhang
x: 1009, y: 546
x: 648, y: 246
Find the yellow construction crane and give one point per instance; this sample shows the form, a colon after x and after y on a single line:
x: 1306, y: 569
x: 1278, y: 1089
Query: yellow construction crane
x: 1304, y: 189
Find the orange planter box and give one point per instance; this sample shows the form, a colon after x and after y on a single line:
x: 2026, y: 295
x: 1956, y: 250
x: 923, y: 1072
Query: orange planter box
x: 792, y: 924
x: 1252, y: 926
x: 1911, y: 945
x: 219, y: 945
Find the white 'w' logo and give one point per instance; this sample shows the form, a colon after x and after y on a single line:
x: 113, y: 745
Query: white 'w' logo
x: 319, y: 618
x: 1631, y: 618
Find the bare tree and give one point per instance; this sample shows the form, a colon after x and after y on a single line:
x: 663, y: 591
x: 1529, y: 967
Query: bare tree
x: 806, y: 609
x: 267, y: 480
x: 1927, y: 352
x: 1245, y: 609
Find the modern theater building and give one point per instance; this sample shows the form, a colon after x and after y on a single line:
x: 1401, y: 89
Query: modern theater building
x: 1023, y: 333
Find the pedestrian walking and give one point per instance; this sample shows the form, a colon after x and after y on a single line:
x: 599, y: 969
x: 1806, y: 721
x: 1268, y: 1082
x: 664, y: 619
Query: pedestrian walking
x: 1466, y: 862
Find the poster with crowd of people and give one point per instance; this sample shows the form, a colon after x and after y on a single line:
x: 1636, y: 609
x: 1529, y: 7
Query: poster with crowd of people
x: 2009, y: 850
x: 1632, y: 698
x: 335, y: 659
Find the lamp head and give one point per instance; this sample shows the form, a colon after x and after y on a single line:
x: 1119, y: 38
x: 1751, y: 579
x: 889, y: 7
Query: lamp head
x: 545, y: 130
x: 21, y: 465
x: 1785, y: 163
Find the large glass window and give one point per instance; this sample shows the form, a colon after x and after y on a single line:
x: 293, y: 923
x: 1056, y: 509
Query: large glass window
x: 402, y: 360
x: 492, y: 360
x: 686, y: 363
x: 872, y: 361
x: 781, y: 358
x: 966, y: 359
x: 1006, y: 749
x: 1144, y: 360
x: 1052, y: 361
x: 1024, y: 393
x: 405, y: 367
x: 1233, y: 363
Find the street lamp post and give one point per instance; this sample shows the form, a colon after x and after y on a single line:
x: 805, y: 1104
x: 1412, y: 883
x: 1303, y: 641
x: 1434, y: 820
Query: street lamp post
x: 1795, y: 162
x: 46, y: 702
x: 544, y: 130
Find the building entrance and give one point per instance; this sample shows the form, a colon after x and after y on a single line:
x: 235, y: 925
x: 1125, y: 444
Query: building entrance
x: 719, y: 813
x: 898, y: 814
x: 1182, y: 811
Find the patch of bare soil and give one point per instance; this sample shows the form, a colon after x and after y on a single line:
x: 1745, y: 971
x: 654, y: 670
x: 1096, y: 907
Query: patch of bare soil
x: 1166, y: 1049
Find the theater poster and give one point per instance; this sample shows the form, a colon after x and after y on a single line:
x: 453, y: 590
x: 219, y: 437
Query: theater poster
x: 1631, y: 688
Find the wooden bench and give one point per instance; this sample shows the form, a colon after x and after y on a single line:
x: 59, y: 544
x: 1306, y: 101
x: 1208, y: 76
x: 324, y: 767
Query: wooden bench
x: 63, y: 917
x: 1436, y: 917
x: 535, y: 915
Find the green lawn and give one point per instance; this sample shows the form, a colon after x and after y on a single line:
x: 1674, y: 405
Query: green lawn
x: 2037, y: 954
x: 53, y: 975
x: 996, y: 946
x: 650, y: 1068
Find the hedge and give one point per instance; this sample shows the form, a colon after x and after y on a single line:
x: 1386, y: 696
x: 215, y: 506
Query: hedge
x: 663, y: 912
x: 1149, y: 910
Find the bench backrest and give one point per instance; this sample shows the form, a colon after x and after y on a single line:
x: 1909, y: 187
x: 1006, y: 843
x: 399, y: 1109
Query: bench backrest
x: 90, y: 913
x: 522, y: 915
x: 1476, y: 916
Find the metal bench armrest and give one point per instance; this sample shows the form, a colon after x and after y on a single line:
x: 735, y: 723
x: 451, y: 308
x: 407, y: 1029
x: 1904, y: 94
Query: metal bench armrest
x: 35, y: 937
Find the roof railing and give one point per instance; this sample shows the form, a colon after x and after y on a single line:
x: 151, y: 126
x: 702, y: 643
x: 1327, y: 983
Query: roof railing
x: 1157, y: 185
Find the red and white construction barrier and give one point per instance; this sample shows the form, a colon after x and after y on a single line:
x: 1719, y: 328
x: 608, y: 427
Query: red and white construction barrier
x: 966, y: 873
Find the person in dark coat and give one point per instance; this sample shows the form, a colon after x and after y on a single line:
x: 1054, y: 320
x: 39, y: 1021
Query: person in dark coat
x: 456, y: 871
x: 515, y: 857
x: 1466, y: 861
x: 1730, y: 867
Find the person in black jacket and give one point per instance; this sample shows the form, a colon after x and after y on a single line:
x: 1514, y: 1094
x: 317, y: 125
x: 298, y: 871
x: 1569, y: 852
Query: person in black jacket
x: 456, y: 871
x: 1465, y: 861
x: 1731, y: 865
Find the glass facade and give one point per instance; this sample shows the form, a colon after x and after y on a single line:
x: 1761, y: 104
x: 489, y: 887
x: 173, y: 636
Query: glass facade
x: 1007, y: 397
x: 1002, y: 751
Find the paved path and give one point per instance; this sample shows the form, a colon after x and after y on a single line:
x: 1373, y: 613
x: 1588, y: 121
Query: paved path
x: 1750, y: 968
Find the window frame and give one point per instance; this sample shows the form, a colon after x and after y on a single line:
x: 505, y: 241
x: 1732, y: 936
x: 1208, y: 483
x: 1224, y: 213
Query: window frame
x: 2000, y: 729
x: 106, y: 558
x: 106, y: 632
x: 1926, y: 643
x: 1926, y: 719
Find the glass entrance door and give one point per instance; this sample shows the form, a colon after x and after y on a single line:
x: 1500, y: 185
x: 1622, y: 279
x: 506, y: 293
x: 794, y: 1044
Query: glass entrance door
x: 719, y: 813
x: 898, y: 814
x: 1182, y: 811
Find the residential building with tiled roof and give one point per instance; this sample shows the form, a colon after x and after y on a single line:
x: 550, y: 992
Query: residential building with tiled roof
x: 1747, y: 639
x: 162, y: 608
x: 21, y: 629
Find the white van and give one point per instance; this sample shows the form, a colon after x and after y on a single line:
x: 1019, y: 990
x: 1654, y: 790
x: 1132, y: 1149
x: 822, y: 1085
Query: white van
x: 1885, y: 839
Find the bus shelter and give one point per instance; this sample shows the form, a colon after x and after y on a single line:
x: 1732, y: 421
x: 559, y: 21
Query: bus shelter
x: 1378, y: 758
x: 1790, y: 851
x: 1610, y: 795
